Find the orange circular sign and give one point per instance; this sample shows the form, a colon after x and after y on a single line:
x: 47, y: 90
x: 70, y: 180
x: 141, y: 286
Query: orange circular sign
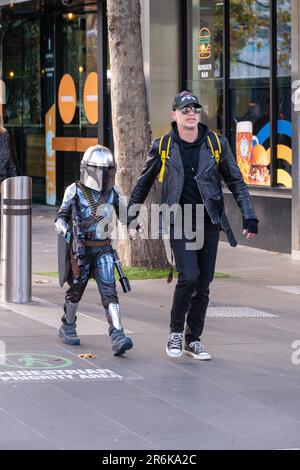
x: 90, y: 97
x: 67, y: 98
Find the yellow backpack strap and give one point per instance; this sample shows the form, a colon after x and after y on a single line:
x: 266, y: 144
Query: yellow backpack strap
x: 215, y: 145
x: 163, y: 150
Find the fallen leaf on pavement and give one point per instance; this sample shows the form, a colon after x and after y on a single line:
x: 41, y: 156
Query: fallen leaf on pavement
x: 87, y: 356
x: 41, y: 281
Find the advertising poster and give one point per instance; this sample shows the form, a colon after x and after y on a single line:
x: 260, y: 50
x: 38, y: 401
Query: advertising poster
x: 252, y: 158
x: 50, y: 157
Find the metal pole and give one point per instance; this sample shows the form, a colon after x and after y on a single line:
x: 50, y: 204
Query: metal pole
x: 16, y: 239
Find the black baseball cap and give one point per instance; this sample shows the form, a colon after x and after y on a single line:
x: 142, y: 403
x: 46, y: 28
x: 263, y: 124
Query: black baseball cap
x: 185, y: 98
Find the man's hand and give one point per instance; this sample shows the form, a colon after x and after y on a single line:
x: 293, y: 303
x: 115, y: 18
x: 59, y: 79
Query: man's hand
x: 250, y: 227
x: 135, y: 233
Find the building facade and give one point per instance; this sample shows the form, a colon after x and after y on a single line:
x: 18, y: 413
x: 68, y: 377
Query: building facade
x: 236, y: 58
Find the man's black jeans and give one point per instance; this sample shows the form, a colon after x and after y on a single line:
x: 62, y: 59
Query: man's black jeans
x: 196, y: 271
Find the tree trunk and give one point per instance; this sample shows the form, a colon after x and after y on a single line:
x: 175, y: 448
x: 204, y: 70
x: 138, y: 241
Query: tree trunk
x: 130, y: 117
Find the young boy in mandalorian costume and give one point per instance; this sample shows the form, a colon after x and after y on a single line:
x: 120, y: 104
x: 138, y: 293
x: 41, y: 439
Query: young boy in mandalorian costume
x: 83, y: 220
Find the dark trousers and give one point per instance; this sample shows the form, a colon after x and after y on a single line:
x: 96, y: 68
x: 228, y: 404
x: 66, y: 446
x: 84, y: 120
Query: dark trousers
x: 196, y: 271
x: 99, y: 264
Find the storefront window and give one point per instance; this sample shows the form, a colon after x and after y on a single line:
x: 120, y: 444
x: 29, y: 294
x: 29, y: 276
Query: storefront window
x: 22, y: 71
x: 284, y: 125
x: 250, y: 88
x: 205, y: 37
x: 80, y: 56
x: 79, y: 61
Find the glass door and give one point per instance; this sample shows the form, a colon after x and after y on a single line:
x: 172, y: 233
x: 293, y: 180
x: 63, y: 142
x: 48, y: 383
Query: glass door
x: 77, y: 91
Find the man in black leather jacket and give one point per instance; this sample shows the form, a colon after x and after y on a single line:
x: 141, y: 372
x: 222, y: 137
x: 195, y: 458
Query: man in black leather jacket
x: 192, y: 176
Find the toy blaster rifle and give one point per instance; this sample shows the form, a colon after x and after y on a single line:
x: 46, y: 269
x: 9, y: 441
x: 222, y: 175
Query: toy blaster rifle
x: 122, y: 278
x: 78, y: 237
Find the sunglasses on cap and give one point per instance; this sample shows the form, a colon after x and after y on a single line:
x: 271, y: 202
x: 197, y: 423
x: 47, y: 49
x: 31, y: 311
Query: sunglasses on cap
x: 187, y: 109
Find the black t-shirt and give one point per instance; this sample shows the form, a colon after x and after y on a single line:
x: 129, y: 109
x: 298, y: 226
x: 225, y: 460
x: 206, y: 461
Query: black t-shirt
x: 190, y: 154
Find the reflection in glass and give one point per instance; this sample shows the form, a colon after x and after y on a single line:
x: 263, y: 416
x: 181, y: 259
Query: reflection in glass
x: 205, y: 35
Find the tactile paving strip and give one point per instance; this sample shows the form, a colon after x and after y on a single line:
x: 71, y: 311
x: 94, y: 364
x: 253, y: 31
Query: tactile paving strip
x: 233, y: 311
x: 288, y: 289
x: 49, y: 314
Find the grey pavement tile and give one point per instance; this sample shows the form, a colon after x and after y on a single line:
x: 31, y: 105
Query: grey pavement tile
x: 150, y: 416
x: 261, y: 355
x: 101, y: 395
x: 204, y: 439
x: 35, y: 344
x: 240, y: 381
x: 261, y: 423
x: 107, y: 441
x: 40, y: 444
x: 18, y: 325
x: 279, y: 329
x: 283, y: 441
x: 214, y: 334
x: 285, y: 400
x: 248, y: 330
x: 11, y: 324
x: 12, y: 428
x: 66, y: 421
x: 227, y: 412
x: 195, y: 395
x: 237, y: 377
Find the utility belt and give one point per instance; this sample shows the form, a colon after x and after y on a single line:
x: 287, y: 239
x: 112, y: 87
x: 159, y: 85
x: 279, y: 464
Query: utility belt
x: 92, y: 243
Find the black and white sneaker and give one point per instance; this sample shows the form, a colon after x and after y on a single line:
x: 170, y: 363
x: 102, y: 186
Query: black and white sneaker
x: 174, y: 345
x: 197, y: 351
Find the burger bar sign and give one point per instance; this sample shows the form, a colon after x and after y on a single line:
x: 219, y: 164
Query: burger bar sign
x: 205, y: 53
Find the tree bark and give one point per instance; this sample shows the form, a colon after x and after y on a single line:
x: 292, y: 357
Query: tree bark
x: 130, y: 117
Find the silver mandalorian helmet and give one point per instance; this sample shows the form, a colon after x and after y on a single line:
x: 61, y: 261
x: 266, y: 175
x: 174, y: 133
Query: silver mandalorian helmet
x: 98, y: 169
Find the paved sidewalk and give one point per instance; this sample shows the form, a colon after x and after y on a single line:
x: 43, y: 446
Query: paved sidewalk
x: 247, y: 397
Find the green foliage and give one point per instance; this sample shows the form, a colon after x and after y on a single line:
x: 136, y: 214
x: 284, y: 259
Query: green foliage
x: 134, y: 274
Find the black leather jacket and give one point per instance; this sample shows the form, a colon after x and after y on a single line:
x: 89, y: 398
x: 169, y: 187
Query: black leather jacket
x: 208, y: 178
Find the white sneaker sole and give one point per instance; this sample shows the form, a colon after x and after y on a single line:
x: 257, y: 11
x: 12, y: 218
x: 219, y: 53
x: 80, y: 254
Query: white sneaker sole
x: 196, y: 356
x: 172, y: 354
